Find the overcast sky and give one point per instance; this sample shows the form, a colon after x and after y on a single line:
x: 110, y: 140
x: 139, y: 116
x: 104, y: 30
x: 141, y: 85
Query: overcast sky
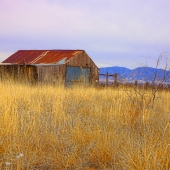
x: 112, y: 32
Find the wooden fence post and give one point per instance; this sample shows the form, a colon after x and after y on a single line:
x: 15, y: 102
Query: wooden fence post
x: 107, y: 79
x: 147, y: 85
x: 115, y: 79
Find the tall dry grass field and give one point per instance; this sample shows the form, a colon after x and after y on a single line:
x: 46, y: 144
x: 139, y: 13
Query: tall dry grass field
x: 83, y: 128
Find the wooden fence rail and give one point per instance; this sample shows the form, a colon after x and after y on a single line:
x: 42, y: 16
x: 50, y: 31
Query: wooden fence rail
x: 145, y: 85
x: 107, y: 78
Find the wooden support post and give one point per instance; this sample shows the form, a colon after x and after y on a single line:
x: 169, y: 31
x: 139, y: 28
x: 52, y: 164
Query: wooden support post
x: 107, y: 79
x: 115, y: 79
x: 168, y: 86
x: 18, y: 72
x: 146, y: 85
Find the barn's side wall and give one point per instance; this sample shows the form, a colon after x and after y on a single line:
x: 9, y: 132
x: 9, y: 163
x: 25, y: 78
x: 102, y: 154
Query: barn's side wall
x: 83, y: 60
x: 51, y: 74
x: 22, y: 73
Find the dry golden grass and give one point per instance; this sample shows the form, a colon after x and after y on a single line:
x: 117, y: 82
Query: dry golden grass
x: 82, y: 128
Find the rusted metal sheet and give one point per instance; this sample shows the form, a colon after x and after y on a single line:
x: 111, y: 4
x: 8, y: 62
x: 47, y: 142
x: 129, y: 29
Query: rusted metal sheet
x: 77, y: 75
x: 42, y: 56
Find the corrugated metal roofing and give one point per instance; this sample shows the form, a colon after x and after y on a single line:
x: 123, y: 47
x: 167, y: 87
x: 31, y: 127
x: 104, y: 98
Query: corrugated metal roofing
x: 41, y: 56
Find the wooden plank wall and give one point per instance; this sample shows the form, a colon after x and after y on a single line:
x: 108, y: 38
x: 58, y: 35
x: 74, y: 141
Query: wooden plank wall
x: 49, y: 74
x: 54, y: 74
x: 22, y: 73
x: 83, y: 60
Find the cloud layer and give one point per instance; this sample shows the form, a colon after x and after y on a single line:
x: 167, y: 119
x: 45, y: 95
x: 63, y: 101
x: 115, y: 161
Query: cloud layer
x: 112, y: 32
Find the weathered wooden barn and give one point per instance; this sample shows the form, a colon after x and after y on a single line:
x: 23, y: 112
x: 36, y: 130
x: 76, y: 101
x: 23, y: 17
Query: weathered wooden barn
x: 66, y: 67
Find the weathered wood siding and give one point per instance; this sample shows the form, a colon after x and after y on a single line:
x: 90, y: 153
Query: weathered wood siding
x: 18, y: 73
x: 56, y: 74
x: 51, y: 74
x: 83, y: 60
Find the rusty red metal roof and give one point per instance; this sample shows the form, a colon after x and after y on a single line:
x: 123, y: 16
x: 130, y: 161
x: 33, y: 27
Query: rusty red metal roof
x: 41, y: 56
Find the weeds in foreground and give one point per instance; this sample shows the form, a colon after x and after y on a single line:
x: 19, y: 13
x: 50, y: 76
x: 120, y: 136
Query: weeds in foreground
x: 81, y: 128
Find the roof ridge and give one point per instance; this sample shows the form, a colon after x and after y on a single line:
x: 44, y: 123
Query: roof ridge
x: 41, y: 56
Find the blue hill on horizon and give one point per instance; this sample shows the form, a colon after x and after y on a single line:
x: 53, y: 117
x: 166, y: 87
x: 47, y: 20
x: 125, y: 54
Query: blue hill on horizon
x: 148, y: 74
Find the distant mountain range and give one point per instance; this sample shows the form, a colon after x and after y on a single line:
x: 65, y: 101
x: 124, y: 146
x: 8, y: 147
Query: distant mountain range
x: 143, y: 74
